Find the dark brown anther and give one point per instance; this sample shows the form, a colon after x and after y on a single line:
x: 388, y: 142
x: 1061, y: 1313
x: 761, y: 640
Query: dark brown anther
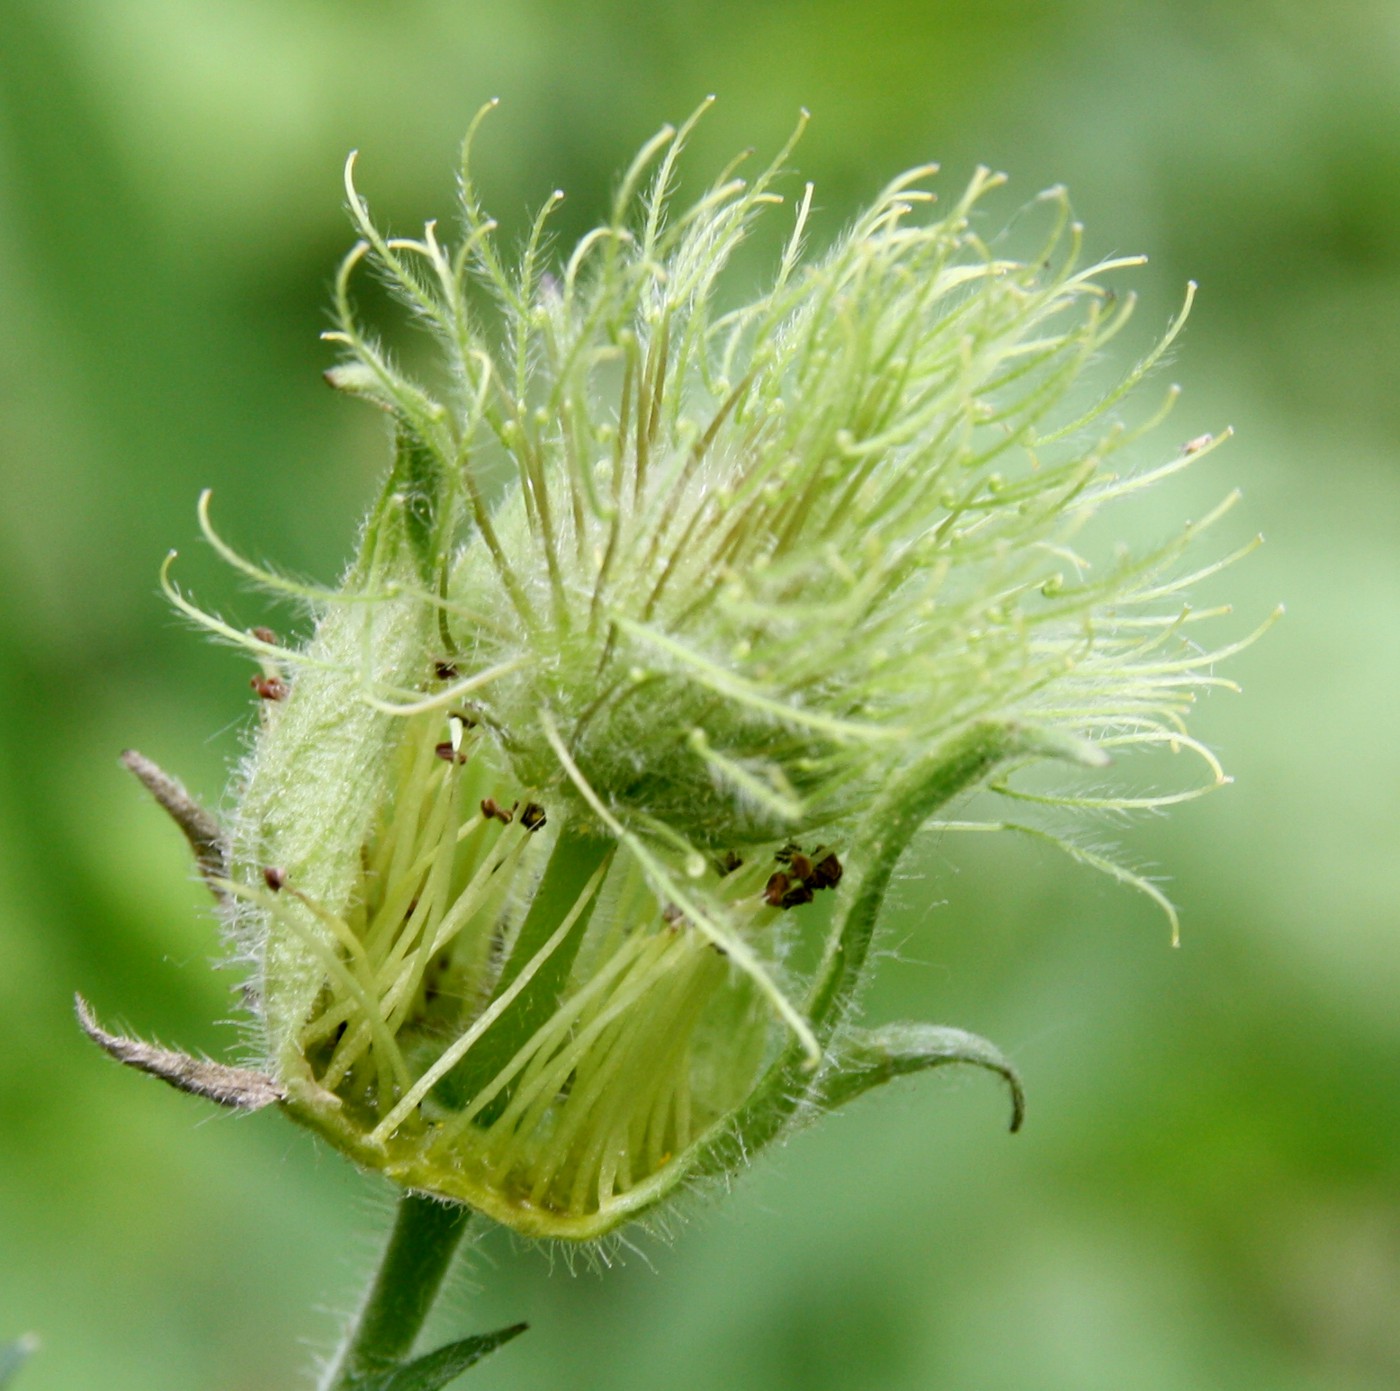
x: 797, y: 895
x: 533, y: 817
x: 775, y: 889
x: 448, y: 754
x: 266, y: 635
x: 800, y: 866
x: 493, y: 810
x: 445, y: 671
x: 273, y: 877
x: 269, y: 687
x: 827, y: 874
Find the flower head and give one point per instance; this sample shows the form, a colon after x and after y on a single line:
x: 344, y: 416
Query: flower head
x: 560, y: 851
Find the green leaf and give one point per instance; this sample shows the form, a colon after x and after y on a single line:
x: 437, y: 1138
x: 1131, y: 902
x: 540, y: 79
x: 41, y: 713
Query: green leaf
x: 435, y: 1369
x: 869, y: 1058
x: 13, y: 1356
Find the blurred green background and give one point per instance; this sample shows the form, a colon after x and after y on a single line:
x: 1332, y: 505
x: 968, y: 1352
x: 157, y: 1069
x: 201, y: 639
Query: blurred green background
x: 1207, y: 1192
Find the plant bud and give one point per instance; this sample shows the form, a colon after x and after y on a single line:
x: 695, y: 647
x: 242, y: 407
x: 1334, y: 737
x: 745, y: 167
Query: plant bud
x: 562, y: 842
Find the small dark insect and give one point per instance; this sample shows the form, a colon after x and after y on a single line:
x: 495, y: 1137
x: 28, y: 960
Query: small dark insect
x: 273, y: 877
x: 492, y: 809
x: 827, y: 873
x: 269, y: 687
x: 776, y: 889
x: 796, y: 895
x: 533, y: 817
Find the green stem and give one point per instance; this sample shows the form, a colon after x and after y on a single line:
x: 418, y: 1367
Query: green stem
x: 421, y: 1246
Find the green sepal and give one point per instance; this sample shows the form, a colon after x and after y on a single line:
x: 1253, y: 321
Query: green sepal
x: 953, y: 769
x: 869, y: 1058
x: 435, y: 1369
x: 13, y: 1356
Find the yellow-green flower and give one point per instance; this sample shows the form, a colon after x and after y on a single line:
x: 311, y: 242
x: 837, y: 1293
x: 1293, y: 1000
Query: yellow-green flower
x: 557, y: 858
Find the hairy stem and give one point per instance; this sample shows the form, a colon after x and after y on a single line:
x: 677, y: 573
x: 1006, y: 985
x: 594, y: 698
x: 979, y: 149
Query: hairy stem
x: 425, y: 1237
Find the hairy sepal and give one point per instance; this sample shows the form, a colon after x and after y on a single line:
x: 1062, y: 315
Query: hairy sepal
x: 870, y: 1058
x: 790, y: 1087
x: 238, y: 1088
x: 319, y: 771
